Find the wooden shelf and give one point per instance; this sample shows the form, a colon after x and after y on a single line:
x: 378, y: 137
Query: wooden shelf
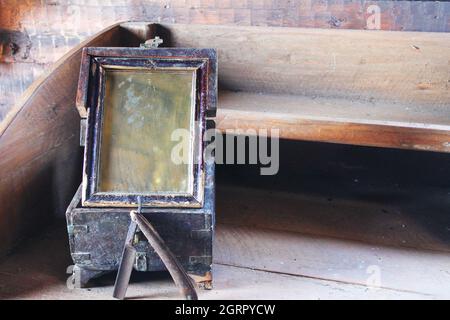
x: 369, y: 123
x: 385, y: 89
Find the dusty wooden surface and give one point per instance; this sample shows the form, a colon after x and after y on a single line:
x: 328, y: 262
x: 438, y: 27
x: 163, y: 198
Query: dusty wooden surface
x: 39, y: 273
x: 330, y: 259
x: 34, y: 34
x: 33, y: 274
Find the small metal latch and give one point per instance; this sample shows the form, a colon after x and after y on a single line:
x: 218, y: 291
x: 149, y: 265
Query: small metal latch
x: 140, y: 263
x: 152, y: 43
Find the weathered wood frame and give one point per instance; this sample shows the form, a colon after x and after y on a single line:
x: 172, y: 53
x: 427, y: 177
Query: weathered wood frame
x: 90, y: 100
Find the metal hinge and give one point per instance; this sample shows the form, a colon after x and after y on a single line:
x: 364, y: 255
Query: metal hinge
x: 83, y: 127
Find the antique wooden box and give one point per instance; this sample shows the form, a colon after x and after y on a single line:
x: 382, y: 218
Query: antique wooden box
x: 144, y: 114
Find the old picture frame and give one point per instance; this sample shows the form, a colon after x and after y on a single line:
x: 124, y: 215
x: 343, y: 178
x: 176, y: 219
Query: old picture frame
x: 134, y: 99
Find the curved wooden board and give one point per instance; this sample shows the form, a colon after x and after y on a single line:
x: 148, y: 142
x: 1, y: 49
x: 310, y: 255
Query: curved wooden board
x: 40, y: 163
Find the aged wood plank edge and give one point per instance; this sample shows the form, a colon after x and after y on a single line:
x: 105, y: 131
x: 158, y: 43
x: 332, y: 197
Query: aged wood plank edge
x: 381, y: 112
x: 333, y: 131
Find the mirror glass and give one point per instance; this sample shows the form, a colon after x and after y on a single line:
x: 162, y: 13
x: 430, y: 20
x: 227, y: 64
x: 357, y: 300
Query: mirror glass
x: 142, y: 108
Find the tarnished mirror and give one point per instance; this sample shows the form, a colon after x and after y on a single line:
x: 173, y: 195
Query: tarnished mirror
x: 146, y: 111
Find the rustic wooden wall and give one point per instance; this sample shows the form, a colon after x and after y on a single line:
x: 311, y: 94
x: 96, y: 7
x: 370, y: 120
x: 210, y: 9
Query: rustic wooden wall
x: 34, y: 33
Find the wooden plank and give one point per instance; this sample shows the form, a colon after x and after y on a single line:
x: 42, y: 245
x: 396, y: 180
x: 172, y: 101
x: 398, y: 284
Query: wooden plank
x: 363, y: 66
x: 380, y: 124
x: 74, y: 17
x: 330, y: 259
x: 340, y: 110
x: 338, y: 132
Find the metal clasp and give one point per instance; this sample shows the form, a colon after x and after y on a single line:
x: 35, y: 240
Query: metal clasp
x: 152, y: 43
